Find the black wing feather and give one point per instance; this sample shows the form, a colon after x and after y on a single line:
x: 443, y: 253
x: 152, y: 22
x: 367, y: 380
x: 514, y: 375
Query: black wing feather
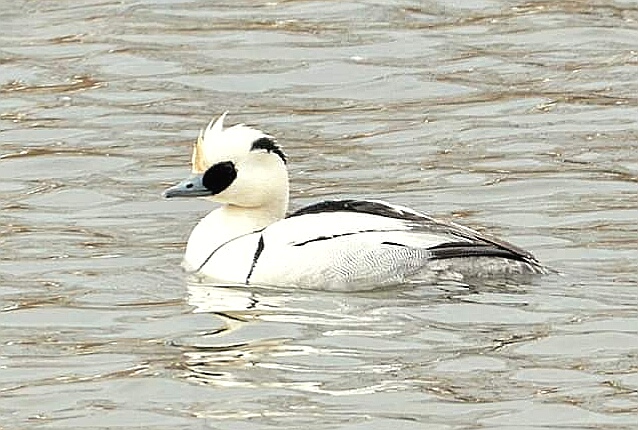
x: 464, y: 249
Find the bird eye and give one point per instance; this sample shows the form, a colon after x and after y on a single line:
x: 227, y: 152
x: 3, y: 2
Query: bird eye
x: 219, y: 177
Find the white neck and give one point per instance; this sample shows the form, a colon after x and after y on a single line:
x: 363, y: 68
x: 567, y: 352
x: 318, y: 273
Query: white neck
x: 246, y: 220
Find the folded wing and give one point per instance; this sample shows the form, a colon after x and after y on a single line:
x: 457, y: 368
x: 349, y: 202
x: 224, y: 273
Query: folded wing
x: 346, y: 243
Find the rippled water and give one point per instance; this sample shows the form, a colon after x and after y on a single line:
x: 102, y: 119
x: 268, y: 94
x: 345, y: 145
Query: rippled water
x: 516, y: 117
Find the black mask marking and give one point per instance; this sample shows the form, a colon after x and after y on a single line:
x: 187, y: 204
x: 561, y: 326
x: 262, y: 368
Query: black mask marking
x: 219, y: 177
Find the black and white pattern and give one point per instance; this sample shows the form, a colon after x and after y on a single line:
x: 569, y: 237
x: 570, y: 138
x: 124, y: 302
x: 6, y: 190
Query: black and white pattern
x: 335, y: 244
x: 353, y: 242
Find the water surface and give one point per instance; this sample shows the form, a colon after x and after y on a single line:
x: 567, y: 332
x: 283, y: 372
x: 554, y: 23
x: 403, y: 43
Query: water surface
x: 514, y: 117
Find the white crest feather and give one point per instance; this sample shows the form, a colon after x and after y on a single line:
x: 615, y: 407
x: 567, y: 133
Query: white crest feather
x: 217, y: 144
x: 198, y: 162
x: 217, y: 126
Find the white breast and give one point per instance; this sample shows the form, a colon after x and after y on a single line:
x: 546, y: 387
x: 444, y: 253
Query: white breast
x: 232, y: 262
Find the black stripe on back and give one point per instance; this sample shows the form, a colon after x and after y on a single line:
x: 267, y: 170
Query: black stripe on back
x: 334, y: 236
x: 361, y: 206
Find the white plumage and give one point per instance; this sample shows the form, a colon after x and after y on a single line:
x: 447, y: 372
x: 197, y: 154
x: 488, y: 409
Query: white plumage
x: 337, y: 245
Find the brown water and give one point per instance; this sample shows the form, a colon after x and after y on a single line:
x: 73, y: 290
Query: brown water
x: 516, y: 117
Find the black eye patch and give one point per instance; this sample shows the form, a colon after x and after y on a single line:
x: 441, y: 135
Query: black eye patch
x: 219, y: 177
